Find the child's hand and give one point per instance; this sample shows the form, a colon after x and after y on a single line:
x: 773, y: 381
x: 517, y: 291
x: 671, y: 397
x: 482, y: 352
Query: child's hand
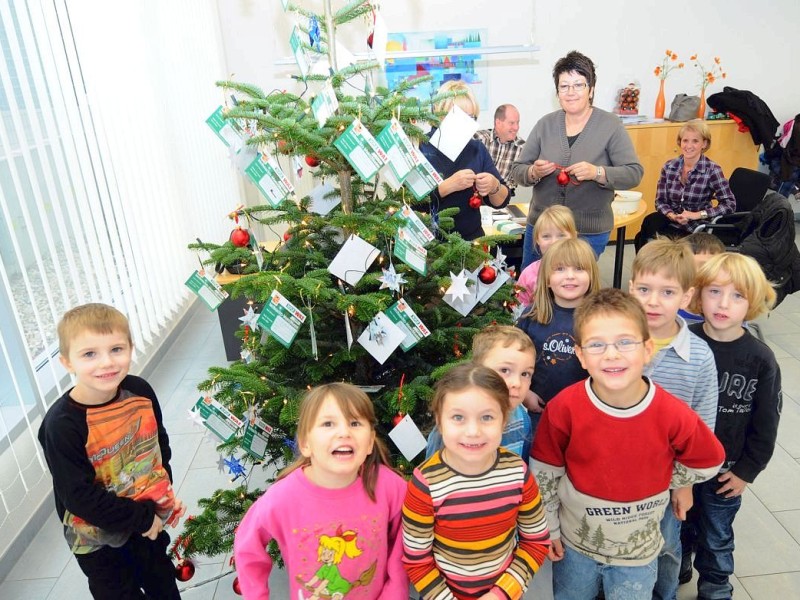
x: 155, y: 528
x: 556, y: 552
x: 682, y: 501
x: 177, y: 512
x: 533, y: 402
x: 731, y: 485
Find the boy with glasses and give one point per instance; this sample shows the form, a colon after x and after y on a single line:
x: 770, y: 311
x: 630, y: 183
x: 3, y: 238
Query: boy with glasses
x: 606, y: 453
x: 683, y: 364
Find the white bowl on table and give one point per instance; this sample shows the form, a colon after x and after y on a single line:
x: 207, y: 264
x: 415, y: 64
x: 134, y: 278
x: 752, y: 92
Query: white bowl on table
x: 625, y: 202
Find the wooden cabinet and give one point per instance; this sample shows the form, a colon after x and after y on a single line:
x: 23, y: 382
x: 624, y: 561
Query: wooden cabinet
x: 656, y: 143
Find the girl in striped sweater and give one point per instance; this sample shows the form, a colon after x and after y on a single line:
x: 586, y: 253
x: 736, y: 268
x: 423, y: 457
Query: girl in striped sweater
x: 473, y: 521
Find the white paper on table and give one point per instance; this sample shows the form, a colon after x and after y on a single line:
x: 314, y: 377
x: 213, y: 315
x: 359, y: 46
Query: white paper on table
x: 393, y: 337
x: 456, y: 130
x: 408, y: 438
x: 353, y: 260
x: 319, y: 203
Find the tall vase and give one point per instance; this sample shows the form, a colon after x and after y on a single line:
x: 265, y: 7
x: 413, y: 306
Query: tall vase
x: 701, y: 110
x: 660, y: 102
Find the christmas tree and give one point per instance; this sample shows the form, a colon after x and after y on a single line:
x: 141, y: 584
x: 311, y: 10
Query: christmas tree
x: 392, y: 275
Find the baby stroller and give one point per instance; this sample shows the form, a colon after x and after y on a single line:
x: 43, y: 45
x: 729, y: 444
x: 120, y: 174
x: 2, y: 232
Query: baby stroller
x: 782, y: 158
x: 767, y: 234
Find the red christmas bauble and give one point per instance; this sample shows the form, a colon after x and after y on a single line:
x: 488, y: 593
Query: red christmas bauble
x: 487, y: 274
x: 311, y: 160
x: 237, y: 589
x: 370, y: 37
x: 282, y: 147
x: 476, y: 201
x: 240, y: 237
x: 286, y: 236
x: 184, y: 570
x: 563, y: 177
x: 397, y: 418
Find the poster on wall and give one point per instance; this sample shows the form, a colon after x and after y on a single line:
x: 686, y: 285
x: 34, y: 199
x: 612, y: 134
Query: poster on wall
x: 468, y: 68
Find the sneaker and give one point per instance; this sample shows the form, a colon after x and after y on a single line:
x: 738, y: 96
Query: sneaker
x: 685, y: 574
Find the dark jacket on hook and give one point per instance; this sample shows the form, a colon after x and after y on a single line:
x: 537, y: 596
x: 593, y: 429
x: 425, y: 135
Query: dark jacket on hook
x: 751, y: 109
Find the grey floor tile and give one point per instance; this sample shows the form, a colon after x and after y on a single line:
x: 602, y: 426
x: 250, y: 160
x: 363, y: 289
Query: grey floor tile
x: 29, y: 589
x: 790, y: 373
x: 184, y: 447
x: 790, y: 519
x: 778, y: 487
x: 772, y: 587
x: 763, y: 546
x: 46, y: 556
x: 72, y: 584
x: 788, y: 437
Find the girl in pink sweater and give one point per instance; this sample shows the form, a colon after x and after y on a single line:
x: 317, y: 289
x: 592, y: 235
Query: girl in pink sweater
x: 335, y: 513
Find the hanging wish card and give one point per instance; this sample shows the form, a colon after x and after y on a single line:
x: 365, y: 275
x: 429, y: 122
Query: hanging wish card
x: 422, y: 178
x: 322, y: 199
x: 207, y: 290
x: 255, y: 437
x: 269, y: 178
x: 455, y: 131
x: 227, y: 130
x: 414, y: 226
x: 398, y: 147
x: 281, y: 318
x: 218, y: 419
x: 402, y: 315
x: 381, y: 337
x: 361, y: 150
x: 353, y: 260
x: 324, y: 106
x: 299, y: 52
x: 461, y: 302
x: 408, y: 438
x: 410, y: 252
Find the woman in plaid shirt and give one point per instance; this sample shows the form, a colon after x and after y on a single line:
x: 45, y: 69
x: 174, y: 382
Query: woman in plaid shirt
x: 686, y: 187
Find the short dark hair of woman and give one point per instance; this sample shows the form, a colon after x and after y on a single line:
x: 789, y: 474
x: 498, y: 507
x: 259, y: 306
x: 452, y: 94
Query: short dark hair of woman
x: 575, y: 61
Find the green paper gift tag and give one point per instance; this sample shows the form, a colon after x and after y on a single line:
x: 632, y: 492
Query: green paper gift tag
x: 410, y: 252
x: 402, y: 315
x: 218, y: 419
x: 422, y: 178
x: 255, y: 438
x: 207, y: 290
x: 398, y: 147
x: 281, y: 318
x: 361, y: 150
x: 269, y: 178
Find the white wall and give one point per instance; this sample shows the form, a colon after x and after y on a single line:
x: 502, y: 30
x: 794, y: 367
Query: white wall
x: 625, y: 38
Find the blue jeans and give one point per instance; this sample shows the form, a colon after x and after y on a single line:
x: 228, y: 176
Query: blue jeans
x: 669, y: 559
x: 714, y: 559
x: 578, y: 577
x: 530, y: 253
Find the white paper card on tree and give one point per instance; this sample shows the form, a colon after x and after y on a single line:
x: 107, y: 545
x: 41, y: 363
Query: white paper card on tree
x: 380, y: 37
x: 281, y: 318
x: 353, y: 260
x: 398, y: 148
x: 414, y: 225
x: 299, y: 52
x: 408, y: 438
x: 218, y: 419
x: 381, y: 337
x: 254, y: 440
x: 324, y: 105
x: 487, y: 291
x: 361, y: 150
x: 456, y: 129
x: 402, y: 315
x: 207, y: 290
x: 410, y: 252
x: 265, y: 172
x: 464, y: 304
x: 321, y: 201
x: 387, y: 176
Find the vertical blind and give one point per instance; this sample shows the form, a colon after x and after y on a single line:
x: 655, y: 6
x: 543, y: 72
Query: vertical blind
x: 107, y: 172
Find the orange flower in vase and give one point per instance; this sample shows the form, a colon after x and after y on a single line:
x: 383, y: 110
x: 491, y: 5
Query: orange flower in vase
x: 707, y: 77
x: 668, y: 63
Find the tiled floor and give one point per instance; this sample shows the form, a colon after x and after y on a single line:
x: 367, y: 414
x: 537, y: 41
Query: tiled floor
x: 767, y: 527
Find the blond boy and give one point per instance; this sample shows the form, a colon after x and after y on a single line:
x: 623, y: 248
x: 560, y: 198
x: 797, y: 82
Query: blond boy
x: 683, y: 364
x: 108, y: 454
x: 509, y: 352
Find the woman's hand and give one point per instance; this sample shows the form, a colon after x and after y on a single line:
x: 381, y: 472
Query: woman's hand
x: 486, y: 183
x: 460, y: 180
x: 541, y: 168
x: 583, y: 171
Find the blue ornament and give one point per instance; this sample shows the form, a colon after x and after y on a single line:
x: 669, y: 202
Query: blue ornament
x: 313, y: 33
x: 291, y: 444
x: 235, y: 468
